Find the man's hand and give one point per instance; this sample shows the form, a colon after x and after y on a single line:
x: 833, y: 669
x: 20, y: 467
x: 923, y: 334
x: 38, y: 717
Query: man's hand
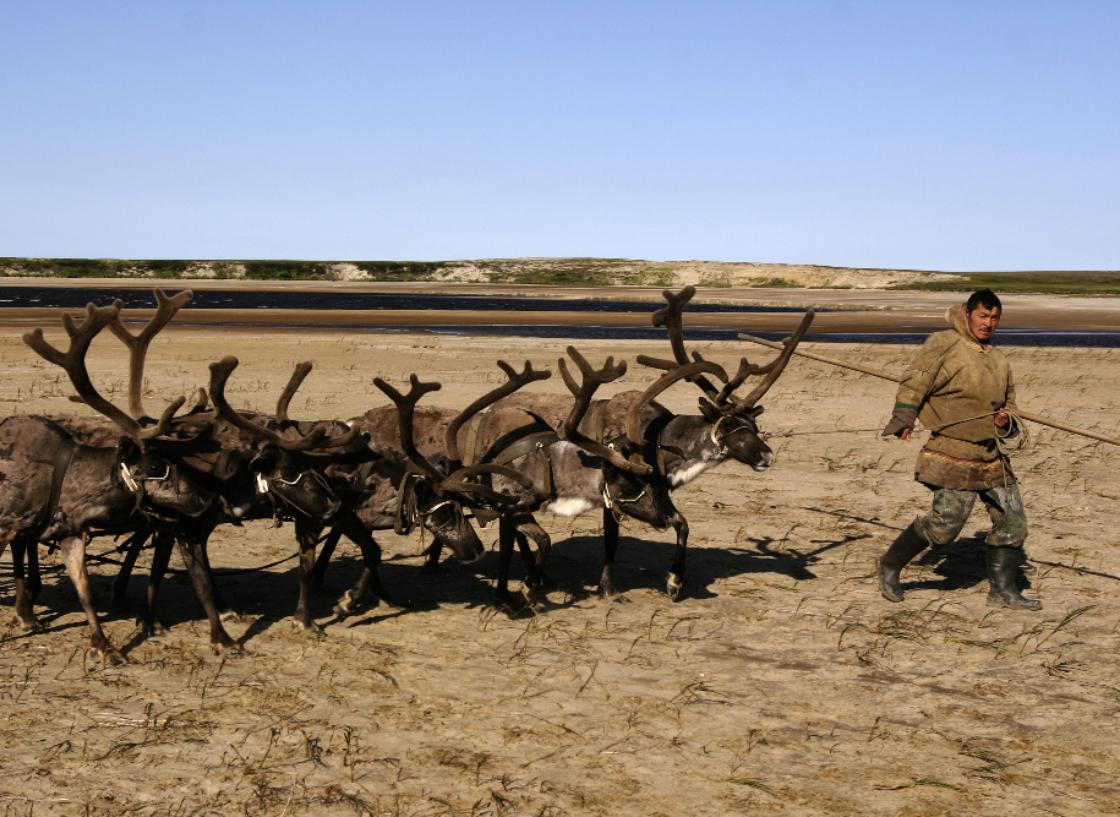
x: 899, y: 427
x: 1001, y: 418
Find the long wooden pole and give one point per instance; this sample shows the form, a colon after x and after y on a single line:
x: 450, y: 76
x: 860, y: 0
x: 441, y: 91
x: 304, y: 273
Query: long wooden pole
x: 1034, y: 418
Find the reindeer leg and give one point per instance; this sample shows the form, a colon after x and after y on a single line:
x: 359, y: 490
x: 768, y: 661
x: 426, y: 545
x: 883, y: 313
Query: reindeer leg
x: 534, y: 566
x: 431, y: 560
x: 324, y: 557
x: 515, y: 606
x: 34, y: 577
x: 227, y: 615
x: 674, y: 583
x: 194, y: 556
x: 610, y: 548
x: 25, y: 596
x: 119, y: 602
x: 371, y: 575
x: 307, y: 534
x: 161, y: 555
x: 73, y: 550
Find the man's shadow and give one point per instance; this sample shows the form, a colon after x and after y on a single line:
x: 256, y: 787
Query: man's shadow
x: 961, y: 564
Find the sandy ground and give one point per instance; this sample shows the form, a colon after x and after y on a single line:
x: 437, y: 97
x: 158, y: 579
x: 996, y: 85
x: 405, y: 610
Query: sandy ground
x: 781, y: 684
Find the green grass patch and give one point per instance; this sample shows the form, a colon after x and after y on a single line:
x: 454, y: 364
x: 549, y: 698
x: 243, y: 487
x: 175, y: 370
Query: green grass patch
x: 1055, y: 282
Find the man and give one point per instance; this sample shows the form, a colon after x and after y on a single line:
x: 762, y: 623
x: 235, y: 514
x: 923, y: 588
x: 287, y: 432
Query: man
x: 960, y: 387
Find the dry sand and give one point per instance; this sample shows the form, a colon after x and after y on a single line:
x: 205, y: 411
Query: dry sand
x: 781, y: 684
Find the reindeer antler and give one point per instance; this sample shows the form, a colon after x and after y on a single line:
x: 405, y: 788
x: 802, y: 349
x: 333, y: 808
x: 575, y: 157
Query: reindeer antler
x: 138, y: 344
x: 514, y: 382
x: 671, y: 318
x: 592, y: 379
x: 315, y: 438
x: 406, y: 407
x: 773, y: 369
x: 688, y: 371
x: 74, y: 363
x: 298, y: 376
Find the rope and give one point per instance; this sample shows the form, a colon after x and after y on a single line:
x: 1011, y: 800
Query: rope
x: 1010, y: 439
x: 180, y: 572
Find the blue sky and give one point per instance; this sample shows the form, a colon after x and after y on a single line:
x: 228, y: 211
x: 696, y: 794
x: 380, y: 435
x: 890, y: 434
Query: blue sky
x: 949, y: 135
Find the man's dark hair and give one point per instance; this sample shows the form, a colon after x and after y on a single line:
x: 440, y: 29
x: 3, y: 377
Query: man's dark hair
x: 983, y: 297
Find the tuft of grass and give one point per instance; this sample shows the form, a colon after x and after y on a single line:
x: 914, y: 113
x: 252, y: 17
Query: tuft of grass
x: 922, y: 781
x: 754, y: 783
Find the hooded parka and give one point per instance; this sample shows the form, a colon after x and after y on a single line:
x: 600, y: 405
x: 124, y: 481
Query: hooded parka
x: 954, y: 386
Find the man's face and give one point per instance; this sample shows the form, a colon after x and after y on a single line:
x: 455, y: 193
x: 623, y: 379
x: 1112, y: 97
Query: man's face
x: 983, y: 322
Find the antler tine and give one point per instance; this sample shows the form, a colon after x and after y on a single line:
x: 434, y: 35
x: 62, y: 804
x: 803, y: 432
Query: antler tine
x: 219, y: 374
x: 746, y: 369
x: 592, y: 379
x: 685, y: 372
x: 671, y: 318
x: 200, y: 401
x: 775, y: 367
x: 515, y: 380
x: 137, y: 344
x: 459, y: 483
x: 318, y: 437
x: 406, y: 405
x: 298, y: 376
x: 73, y: 361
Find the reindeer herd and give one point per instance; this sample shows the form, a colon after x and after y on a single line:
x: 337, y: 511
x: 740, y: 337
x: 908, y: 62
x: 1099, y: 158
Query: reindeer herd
x: 170, y: 481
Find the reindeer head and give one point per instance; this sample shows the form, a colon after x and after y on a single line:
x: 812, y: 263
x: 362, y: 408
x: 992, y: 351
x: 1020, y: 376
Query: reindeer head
x: 287, y: 462
x: 440, y: 493
x: 149, y: 452
x: 733, y: 419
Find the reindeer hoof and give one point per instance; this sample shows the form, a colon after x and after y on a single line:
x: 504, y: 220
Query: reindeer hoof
x: 229, y: 649
x: 347, y: 605
x: 515, y: 605
x: 29, y: 624
x: 309, y: 629
x: 109, y: 655
x: 674, y: 586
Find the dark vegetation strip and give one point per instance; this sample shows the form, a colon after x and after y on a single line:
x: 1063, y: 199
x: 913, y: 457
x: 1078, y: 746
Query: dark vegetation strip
x: 1053, y: 282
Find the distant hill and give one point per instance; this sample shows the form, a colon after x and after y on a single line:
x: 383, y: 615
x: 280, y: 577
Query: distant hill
x: 567, y: 272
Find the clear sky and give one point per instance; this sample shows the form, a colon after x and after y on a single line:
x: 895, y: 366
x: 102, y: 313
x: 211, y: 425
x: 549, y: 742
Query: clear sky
x: 943, y: 135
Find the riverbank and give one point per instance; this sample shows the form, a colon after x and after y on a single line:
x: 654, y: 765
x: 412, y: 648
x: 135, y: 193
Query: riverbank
x: 840, y: 311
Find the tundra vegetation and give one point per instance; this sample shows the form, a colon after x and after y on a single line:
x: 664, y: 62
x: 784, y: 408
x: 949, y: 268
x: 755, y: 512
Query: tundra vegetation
x: 574, y: 272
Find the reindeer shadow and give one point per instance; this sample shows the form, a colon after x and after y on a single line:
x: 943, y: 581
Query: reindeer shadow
x: 642, y: 564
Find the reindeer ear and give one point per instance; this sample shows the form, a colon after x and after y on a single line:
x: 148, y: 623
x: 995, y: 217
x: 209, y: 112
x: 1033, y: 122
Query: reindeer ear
x: 126, y: 447
x: 264, y: 461
x: 709, y: 410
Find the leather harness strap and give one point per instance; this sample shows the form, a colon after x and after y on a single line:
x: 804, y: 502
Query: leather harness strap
x: 472, y: 432
x: 62, y: 459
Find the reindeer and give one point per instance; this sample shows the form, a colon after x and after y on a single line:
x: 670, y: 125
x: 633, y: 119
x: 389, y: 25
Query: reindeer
x: 530, y: 466
x: 245, y: 481
x: 92, y: 489
x: 679, y: 447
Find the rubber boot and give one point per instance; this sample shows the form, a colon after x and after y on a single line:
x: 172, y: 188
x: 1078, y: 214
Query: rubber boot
x: 889, y: 566
x: 1003, y: 569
